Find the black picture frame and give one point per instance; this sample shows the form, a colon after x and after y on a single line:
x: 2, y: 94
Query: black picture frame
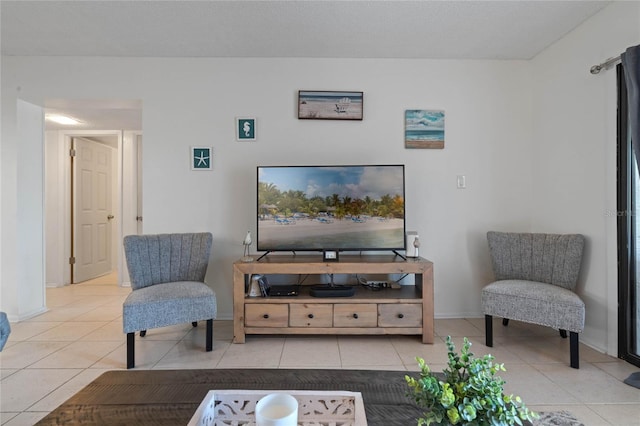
x: 330, y: 105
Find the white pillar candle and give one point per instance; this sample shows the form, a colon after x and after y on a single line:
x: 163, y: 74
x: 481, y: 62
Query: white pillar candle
x: 277, y: 409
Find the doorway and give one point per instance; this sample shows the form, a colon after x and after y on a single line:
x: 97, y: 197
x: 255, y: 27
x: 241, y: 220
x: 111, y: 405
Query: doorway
x: 84, y: 234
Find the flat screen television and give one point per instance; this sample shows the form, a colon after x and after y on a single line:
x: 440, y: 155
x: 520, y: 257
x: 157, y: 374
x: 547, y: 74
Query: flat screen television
x: 344, y: 208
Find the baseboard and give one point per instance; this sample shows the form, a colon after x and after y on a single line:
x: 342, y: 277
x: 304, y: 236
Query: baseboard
x: 458, y: 315
x: 595, y: 347
x: 24, y: 317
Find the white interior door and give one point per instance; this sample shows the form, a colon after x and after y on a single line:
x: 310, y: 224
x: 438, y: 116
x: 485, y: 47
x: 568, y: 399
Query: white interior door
x: 92, y: 210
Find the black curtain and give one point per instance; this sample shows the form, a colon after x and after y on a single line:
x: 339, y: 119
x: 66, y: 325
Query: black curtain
x: 631, y: 64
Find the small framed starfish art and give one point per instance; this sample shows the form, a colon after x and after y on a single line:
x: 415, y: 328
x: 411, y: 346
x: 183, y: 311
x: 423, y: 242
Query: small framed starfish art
x: 201, y: 158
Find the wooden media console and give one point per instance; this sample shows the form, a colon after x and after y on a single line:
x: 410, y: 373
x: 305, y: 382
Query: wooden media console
x: 408, y: 310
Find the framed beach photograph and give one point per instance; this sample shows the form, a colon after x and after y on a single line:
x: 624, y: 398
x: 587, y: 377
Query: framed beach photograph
x: 329, y: 105
x: 424, y: 129
x: 201, y: 157
x: 246, y: 129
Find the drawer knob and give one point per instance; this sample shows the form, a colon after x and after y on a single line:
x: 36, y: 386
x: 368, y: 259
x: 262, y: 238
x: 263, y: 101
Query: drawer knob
x: 400, y: 315
x: 310, y: 315
x: 355, y: 316
x: 265, y: 316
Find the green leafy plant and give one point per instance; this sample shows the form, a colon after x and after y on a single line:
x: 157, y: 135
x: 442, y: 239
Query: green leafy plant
x: 470, y: 394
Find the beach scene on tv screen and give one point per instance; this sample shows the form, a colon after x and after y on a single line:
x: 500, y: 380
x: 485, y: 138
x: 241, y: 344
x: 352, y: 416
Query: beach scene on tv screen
x: 346, y: 208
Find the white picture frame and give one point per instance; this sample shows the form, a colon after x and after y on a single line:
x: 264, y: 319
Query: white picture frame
x: 246, y: 129
x: 201, y: 157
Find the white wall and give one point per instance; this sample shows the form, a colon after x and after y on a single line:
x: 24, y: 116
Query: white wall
x: 574, y: 155
x: 194, y: 102
x: 22, y: 245
x: 56, y: 161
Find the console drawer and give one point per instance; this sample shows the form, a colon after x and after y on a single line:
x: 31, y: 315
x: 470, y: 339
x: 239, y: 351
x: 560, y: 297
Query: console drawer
x: 311, y: 315
x: 355, y: 315
x: 266, y: 315
x: 399, y: 315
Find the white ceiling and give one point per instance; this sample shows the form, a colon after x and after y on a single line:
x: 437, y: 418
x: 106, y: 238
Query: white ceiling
x: 516, y: 29
x: 304, y: 28
x: 96, y: 114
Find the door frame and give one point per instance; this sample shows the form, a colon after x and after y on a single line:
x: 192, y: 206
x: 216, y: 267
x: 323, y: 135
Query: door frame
x: 131, y: 160
x: 65, y: 206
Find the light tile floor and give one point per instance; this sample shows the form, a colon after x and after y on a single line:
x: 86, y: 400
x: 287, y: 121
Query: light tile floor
x: 49, y: 358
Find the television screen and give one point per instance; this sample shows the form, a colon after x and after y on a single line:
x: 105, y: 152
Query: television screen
x: 309, y: 208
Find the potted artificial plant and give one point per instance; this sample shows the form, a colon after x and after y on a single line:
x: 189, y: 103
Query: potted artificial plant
x: 468, y: 392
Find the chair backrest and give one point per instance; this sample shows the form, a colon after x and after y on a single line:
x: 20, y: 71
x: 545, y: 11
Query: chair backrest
x: 162, y: 258
x: 5, y: 329
x: 548, y: 258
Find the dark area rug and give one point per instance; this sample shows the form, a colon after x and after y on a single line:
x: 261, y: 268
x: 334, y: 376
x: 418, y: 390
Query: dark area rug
x: 171, y: 397
x: 557, y: 418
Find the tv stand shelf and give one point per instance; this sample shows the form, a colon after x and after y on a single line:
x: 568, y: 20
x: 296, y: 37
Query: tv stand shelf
x: 408, y: 310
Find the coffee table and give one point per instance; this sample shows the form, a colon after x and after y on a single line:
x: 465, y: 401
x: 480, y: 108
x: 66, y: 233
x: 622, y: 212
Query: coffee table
x: 171, y: 397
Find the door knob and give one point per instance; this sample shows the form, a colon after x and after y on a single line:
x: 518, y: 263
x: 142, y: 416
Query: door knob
x: 110, y: 217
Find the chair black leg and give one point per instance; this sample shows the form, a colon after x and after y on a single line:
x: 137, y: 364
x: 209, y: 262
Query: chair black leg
x: 488, y: 330
x: 194, y: 323
x: 505, y: 321
x: 209, y: 335
x: 573, y: 343
x: 563, y: 333
x: 131, y: 356
x: 143, y: 333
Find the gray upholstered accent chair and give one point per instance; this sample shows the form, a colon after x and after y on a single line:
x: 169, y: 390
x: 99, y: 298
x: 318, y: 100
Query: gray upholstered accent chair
x: 536, y: 276
x: 167, y: 279
x: 5, y: 330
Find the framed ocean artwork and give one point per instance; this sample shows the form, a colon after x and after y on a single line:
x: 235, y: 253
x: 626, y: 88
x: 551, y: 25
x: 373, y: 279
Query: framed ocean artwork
x: 329, y: 105
x: 424, y: 129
